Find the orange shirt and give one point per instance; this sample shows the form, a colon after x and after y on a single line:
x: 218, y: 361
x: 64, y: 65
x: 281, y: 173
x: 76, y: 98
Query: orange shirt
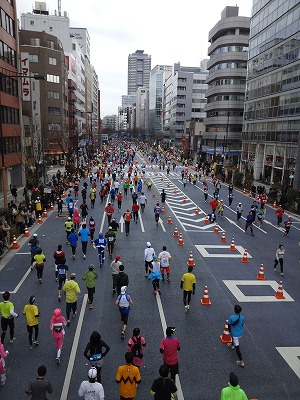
x: 129, y: 377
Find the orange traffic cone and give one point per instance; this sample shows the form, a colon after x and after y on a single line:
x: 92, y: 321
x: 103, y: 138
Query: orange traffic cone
x: 274, y: 204
x: 226, y: 336
x: 163, y: 210
x: 52, y: 206
x: 261, y: 273
x: 245, y: 257
x: 197, y: 211
x: 15, y: 244
x: 153, y: 195
x: 223, y: 238
x: 191, y: 262
x: 39, y: 221
x: 169, y: 222
x: 180, y: 241
x: 250, y: 193
x: 176, y: 234
x: 45, y: 214
x: 184, y: 200
x: 216, y: 229
x: 205, y: 301
x: 175, y: 191
x: 279, y: 294
x: 232, y: 246
x: 206, y: 221
x: 26, y: 232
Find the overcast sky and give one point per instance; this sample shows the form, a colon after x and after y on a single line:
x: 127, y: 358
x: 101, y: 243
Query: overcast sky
x: 169, y: 31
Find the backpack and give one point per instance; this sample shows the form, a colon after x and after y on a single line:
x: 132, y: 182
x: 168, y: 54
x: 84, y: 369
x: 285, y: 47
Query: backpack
x: 127, y: 216
x: 136, y: 348
x: 157, y: 210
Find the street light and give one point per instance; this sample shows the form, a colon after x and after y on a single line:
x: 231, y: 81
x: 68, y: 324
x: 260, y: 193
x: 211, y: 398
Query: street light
x: 2, y: 139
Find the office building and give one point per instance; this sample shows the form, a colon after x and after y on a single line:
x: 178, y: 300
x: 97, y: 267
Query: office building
x: 139, y: 67
x: 272, y: 108
x: 142, y: 110
x: 228, y: 52
x: 10, y: 127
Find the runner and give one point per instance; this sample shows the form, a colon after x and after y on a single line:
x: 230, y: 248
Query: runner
x: 128, y: 376
x: 115, y: 271
x: 39, y: 387
x: 163, y: 197
x: 124, y: 301
x: 7, y: 317
x: 163, y: 387
x: 127, y: 218
x: 157, y: 213
x: 287, y: 226
x: 3, y: 355
x: 188, y: 284
x: 91, y: 390
x: 235, y: 326
x: 71, y: 288
x: 90, y: 277
x: 114, y: 226
x: 135, y: 345
x: 94, y: 352
x: 59, y: 203
x: 165, y: 258
x: 109, y: 210
x: 34, y: 244
x: 143, y: 201
x: 239, y: 210
x: 135, y: 211
x: 111, y: 240
x: 233, y: 391
x: 62, y: 270
x: 100, y: 244
x: 57, y: 324
x: 169, y: 347
x: 84, y: 210
x: 148, y: 257
x: 155, y: 274
x: 39, y: 260
x: 32, y: 313
x: 84, y: 234
x: 58, y: 255
x: 73, y: 239
x: 92, y: 227
x: 68, y: 226
x: 119, y: 200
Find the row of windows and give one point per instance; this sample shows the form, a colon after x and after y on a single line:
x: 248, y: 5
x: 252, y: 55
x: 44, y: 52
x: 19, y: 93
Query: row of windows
x: 231, y: 97
x: 8, y: 85
x: 220, y: 128
x: 37, y: 42
x: 50, y: 27
x: 221, y: 82
x: 53, y: 95
x: 274, y: 112
x: 284, y: 137
x: 225, y: 113
x: 7, y: 23
x: 199, y: 90
x: 54, y: 110
x: 199, y: 81
x: 54, y: 127
x: 52, y: 78
x: 10, y: 115
x: 8, y: 54
x: 11, y: 144
x: 226, y: 49
x: 234, y: 65
x: 282, y: 100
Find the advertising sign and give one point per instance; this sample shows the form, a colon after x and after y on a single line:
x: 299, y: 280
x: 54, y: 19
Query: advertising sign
x: 25, y: 76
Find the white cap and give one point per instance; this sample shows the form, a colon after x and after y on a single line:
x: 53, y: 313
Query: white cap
x: 148, y: 244
x: 123, y: 289
x: 92, y: 373
x: 35, y: 235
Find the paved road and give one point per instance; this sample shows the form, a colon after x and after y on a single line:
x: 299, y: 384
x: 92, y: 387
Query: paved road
x: 270, y: 344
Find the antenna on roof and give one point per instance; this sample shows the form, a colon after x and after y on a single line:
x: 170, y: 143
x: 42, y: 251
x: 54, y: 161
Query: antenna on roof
x: 59, y: 7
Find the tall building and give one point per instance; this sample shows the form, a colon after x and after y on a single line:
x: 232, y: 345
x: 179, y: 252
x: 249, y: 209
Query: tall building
x: 183, y: 100
x: 46, y: 57
x: 10, y: 127
x: 272, y: 108
x: 226, y: 81
x: 139, y: 67
x: 156, y: 86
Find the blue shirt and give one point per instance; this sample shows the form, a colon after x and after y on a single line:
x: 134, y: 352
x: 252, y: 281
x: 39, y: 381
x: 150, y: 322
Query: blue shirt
x: 237, y: 330
x: 73, y: 237
x: 84, y: 233
x: 100, y: 244
x: 62, y: 269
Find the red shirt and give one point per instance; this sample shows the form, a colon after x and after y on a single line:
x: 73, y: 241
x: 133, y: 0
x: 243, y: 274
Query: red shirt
x: 109, y: 210
x: 135, y: 207
x: 171, y: 346
x: 279, y: 212
x: 119, y: 197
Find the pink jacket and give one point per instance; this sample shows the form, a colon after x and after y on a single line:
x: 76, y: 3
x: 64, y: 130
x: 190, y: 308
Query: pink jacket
x: 3, y: 355
x: 76, y: 217
x: 57, y: 326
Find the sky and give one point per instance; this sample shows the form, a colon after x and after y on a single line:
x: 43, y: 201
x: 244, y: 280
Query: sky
x: 169, y: 31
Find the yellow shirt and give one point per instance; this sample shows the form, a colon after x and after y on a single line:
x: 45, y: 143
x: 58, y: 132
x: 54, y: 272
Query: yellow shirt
x: 39, y: 258
x: 31, y: 312
x: 5, y: 308
x: 72, y: 289
x: 128, y: 376
x: 188, y: 279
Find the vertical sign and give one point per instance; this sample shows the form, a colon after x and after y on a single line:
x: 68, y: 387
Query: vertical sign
x: 25, y: 76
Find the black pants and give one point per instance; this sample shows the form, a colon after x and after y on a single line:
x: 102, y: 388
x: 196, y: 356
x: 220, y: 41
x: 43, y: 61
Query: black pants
x: 110, y: 246
x: 84, y: 247
x: 135, y: 215
x: 173, y: 369
x: 30, y: 332
x: 238, y: 215
x: 155, y: 284
x: 91, y: 292
x: 115, y: 279
x: 280, y: 262
x: 39, y: 272
x: 187, y: 295
x: 127, y: 227
x: 7, y: 322
x: 147, y: 265
x: 73, y: 250
x: 69, y: 307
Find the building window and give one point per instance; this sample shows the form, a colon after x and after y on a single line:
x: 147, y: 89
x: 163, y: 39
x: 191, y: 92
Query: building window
x: 54, y: 110
x: 50, y: 44
x: 34, y: 58
x: 10, y: 115
x: 35, y: 42
x: 31, y: 23
x: 53, y: 95
x: 50, y: 28
x: 54, y: 127
x: 8, y: 85
x: 52, y: 60
x: 7, y: 54
x: 7, y: 23
x: 73, y: 46
x: 52, y: 78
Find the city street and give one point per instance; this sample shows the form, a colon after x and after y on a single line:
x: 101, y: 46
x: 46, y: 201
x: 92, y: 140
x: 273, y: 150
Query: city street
x: 270, y: 344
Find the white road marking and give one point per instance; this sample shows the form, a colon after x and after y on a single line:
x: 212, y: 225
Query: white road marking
x: 228, y: 254
x: 234, y: 223
x: 20, y: 283
x: 65, y: 390
x: 292, y: 356
x: 233, y: 286
x: 141, y: 221
x: 164, y: 327
x: 162, y: 224
x: 122, y: 222
x: 23, y: 253
x: 103, y: 218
